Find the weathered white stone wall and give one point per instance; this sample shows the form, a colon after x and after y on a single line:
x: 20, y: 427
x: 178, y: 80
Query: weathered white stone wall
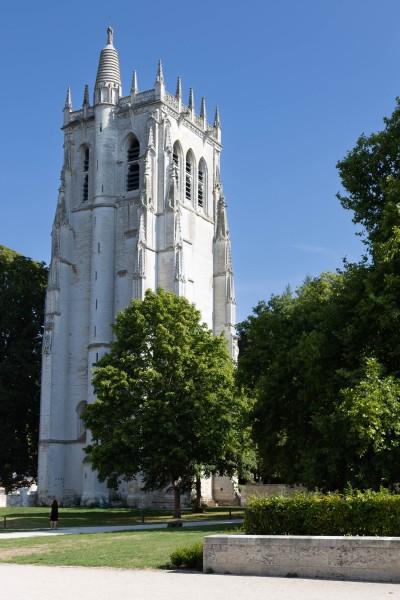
x: 358, y: 558
x: 225, y: 491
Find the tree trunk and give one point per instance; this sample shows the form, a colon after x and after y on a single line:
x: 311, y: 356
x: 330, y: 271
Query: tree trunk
x: 198, y: 493
x: 177, y: 501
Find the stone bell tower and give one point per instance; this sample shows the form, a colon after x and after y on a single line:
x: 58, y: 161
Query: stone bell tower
x: 140, y: 206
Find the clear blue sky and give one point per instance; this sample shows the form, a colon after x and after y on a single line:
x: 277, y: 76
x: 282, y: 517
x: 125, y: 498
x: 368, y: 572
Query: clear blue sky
x: 296, y: 82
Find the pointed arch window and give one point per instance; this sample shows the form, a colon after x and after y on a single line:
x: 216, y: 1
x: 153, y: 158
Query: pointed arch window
x: 85, y: 168
x: 133, y: 174
x: 189, y: 177
x: 202, y: 185
x: 81, y: 431
x: 177, y: 162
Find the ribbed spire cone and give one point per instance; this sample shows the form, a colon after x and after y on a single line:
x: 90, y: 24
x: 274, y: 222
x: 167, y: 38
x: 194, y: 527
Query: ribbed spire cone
x: 109, y: 70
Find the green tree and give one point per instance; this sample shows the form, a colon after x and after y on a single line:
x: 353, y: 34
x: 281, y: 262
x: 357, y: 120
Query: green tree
x: 308, y: 355
x: 22, y: 293
x: 370, y: 175
x: 372, y: 410
x: 166, y: 403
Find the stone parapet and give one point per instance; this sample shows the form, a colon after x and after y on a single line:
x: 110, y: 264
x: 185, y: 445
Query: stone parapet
x: 330, y: 557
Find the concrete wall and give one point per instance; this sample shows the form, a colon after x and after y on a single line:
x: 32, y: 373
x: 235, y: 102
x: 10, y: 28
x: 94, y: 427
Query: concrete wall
x: 352, y: 558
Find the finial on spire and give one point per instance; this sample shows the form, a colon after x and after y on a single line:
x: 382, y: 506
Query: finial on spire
x: 217, y: 122
x: 110, y: 35
x: 160, y: 75
x: 178, y: 93
x: 191, y: 99
x: 203, y: 113
x: 68, y: 101
x: 134, y: 87
x: 86, y: 95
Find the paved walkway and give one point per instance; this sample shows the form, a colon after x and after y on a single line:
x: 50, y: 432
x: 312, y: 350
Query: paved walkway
x: 20, y: 582
x: 7, y: 535
x: 66, y: 583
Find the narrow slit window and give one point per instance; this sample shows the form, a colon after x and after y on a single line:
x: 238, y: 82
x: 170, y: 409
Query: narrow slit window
x: 188, y: 180
x: 200, y: 189
x: 85, y: 168
x: 133, y: 173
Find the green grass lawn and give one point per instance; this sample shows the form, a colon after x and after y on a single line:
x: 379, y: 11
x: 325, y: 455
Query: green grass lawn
x: 38, y: 517
x: 128, y: 550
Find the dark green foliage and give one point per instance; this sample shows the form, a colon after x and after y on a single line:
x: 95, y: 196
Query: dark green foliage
x: 324, y: 363
x: 166, y: 404
x: 22, y: 294
x: 355, y: 513
x: 188, y: 558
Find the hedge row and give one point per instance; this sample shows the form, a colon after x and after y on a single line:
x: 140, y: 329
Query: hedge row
x: 369, y: 513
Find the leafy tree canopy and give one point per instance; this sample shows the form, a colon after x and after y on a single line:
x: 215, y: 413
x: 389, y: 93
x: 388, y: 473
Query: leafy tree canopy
x: 166, y: 404
x: 22, y: 292
x: 324, y: 364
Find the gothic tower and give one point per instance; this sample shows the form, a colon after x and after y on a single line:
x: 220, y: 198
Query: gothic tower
x: 140, y: 206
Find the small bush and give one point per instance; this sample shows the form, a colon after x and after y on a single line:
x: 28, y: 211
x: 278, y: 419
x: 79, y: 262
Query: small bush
x: 355, y: 513
x: 188, y: 558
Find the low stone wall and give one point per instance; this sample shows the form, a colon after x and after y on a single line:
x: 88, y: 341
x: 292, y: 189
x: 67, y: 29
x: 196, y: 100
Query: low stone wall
x: 331, y: 557
x: 22, y: 497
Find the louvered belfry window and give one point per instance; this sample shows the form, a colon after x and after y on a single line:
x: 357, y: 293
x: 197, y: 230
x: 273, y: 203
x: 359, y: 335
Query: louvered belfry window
x: 85, y: 167
x: 132, y: 179
x: 189, y: 182
x: 200, y: 189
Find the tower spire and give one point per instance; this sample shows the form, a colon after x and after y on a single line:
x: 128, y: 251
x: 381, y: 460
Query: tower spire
x: 217, y: 122
x: 68, y: 101
x: 203, y: 113
x: 86, y: 96
x: 108, y: 87
x: 159, y: 84
x: 67, y: 106
x: 86, y: 103
x: 134, y: 86
x: 191, y: 99
x: 160, y: 74
x: 178, y: 93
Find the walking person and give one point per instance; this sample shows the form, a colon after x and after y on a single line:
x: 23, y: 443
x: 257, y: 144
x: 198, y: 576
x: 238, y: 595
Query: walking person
x: 54, y: 514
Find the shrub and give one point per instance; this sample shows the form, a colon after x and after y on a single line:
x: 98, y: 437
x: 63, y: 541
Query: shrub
x: 188, y: 558
x: 353, y: 513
